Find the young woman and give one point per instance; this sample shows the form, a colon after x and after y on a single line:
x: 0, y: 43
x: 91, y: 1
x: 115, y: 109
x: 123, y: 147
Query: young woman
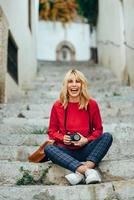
x: 76, y: 127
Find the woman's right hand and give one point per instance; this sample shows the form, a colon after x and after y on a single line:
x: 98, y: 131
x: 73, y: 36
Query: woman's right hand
x: 67, y: 140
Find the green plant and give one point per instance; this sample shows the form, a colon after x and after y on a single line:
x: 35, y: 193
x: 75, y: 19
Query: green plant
x: 116, y: 94
x: 89, y: 9
x: 43, y: 175
x: 113, y: 196
x: 39, y: 131
x: 28, y: 178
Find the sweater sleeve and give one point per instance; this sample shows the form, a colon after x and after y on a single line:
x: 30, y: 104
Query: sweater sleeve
x: 53, y: 130
x: 96, y: 123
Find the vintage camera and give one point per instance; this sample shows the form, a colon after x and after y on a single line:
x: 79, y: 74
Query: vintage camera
x: 74, y: 136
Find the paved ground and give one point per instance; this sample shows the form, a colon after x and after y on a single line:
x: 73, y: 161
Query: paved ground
x: 24, y: 118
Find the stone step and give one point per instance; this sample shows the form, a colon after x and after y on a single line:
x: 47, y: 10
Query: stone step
x: 15, y: 139
x: 56, y: 83
x: 60, y: 64
x: 115, y: 116
x: 105, y: 191
x: 123, y: 130
x: 52, y: 95
x: 40, y: 91
x: 13, y: 144
x: 108, y: 109
x: 12, y: 121
x: 40, y: 123
x: 118, y: 120
x: 117, y: 109
x: 10, y: 172
x: 18, y: 129
x: 16, y: 153
x: 96, y: 76
x: 29, y: 114
x: 122, y: 148
x: 93, y: 73
x: 30, y: 118
x: 110, y: 86
x: 26, y: 105
x: 104, y: 102
x: 25, y: 111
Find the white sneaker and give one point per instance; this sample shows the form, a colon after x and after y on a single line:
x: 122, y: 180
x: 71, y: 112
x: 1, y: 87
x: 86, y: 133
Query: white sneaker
x: 92, y: 176
x: 74, y: 178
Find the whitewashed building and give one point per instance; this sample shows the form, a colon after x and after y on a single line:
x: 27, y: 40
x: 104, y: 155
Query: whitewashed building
x: 115, y: 38
x: 18, y: 26
x: 63, y: 43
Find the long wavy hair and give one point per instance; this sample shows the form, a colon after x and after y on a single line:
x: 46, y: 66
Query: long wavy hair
x: 84, y: 95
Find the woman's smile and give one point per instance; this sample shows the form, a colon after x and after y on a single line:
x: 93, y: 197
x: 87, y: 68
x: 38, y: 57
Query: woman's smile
x: 74, y: 88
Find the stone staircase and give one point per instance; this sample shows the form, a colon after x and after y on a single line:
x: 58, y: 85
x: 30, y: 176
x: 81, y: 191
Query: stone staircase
x: 24, y: 118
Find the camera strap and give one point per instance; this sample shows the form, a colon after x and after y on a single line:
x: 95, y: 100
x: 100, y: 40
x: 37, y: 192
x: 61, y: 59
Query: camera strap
x: 65, y: 119
x: 90, y: 119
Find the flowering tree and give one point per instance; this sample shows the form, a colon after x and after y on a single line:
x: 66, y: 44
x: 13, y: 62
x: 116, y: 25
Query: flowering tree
x: 58, y: 10
x: 68, y: 10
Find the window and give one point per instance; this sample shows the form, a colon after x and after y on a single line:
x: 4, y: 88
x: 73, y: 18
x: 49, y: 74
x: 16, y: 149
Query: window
x: 12, y: 60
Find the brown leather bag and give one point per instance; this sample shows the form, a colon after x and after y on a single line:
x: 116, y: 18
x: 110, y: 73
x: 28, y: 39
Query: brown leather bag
x: 39, y: 154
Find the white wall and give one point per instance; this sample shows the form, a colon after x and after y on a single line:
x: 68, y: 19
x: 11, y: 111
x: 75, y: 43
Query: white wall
x: 17, y: 16
x: 12, y: 89
x: 129, y: 37
x: 51, y: 34
x: 110, y: 36
x: 93, y: 38
x: 115, y: 37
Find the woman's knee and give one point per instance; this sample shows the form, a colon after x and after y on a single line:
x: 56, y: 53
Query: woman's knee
x: 48, y: 148
x: 108, y: 137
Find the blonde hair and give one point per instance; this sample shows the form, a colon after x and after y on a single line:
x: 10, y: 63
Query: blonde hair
x: 84, y: 95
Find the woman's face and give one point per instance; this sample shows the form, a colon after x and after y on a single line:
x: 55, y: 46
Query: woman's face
x: 74, y: 88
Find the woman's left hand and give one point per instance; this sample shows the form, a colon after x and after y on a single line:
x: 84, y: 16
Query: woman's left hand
x: 83, y: 141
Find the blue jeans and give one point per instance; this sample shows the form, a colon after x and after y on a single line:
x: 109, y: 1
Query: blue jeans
x: 72, y: 159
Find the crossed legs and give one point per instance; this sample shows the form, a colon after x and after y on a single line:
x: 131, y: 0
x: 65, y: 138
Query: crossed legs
x: 91, y: 154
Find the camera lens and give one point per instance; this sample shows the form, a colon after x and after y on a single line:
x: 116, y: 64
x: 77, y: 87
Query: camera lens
x: 76, y: 137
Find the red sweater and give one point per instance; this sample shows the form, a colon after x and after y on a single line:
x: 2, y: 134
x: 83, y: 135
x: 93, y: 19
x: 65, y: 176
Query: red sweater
x: 77, y: 120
